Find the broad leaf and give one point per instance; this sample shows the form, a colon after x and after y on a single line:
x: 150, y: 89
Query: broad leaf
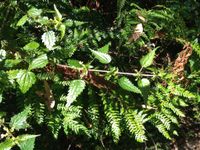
x: 27, y: 145
x: 102, y: 57
x: 34, y: 12
x: 12, y: 74
x: 19, y: 121
x: 25, y: 79
x: 7, y: 144
x: 9, y: 63
x: 22, y: 21
x: 74, y: 63
x: 147, y: 60
x: 126, y: 84
x: 31, y: 46
x: 49, y: 39
x: 144, y: 82
x: 25, y: 137
x: 2, y: 54
x: 39, y: 62
x: 105, y: 48
x: 144, y: 85
x: 26, y: 141
x: 75, y: 89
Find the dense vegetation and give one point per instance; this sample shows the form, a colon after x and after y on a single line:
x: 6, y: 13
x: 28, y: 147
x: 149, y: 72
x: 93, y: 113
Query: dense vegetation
x: 94, y: 74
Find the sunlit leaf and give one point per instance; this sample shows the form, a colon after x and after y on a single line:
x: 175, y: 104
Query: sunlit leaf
x: 62, y: 29
x: 34, y: 12
x: 39, y: 62
x: 144, y: 82
x: 22, y: 21
x: 27, y: 144
x: 31, y: 46
x: 26, y: 141
x: 102, y: 57
x: 11, y: 62
x: 74, y: 63
x: 49, y: 39
x: 25, y: 79
x: 19, y: 121
x: 147, y: 60
x: 105, y: 48
x: 126, y: 84
x: 7, y: 144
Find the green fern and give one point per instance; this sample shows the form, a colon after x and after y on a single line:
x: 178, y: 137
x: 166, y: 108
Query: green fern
x: 39, y: 112
x: 71, y: 121
x: 54, y: 123
x: 93, y: 114
x: 161, y: 128
x: 114, y: 119
x: 135, y: 121
x: 196, y: 47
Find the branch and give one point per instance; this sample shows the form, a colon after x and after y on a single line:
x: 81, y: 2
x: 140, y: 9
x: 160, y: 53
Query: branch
x: 122, y: 73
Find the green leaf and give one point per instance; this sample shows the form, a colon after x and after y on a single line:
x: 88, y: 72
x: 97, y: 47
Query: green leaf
x: 144, y: 85
x: 58, y: 14
x: 12, y: 74
x: 43, y: 20
x: 74, y: 63
x: 19, y: 121
x: 34, y: 12
x: 49, y: 39
x: 147, y: 60
x: 25, y: 79
x: 1, y: 97
x: 144, y: 82
x: 9, y: 63
x: 25, y: 137
x: 22, y: 21
x: 39, y: 62
x: 27, y: 145
x: 62, y: 29
x: 76, y: 87
x: 7, y: 144
x: 105, y: 48
x: 2, y: 54
x: 31, y: 46
x: 102, y: 57
x: 126, y: 84
x: 26, y: 141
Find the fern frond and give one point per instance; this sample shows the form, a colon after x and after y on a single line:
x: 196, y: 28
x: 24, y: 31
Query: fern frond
x: 93, y: 113
x: 114, y: 119
x: 120, y: 5
x: 71, y: 121
x: 134, y: 121
x: 177, y: 111
x: 168, y: 113
x: 161, y: 128
x: 179, y: 91
x: 45, y: 76
x: 54, y: 123
x: 196, y: 47
x: 38, y: 110
x: 163, y: 119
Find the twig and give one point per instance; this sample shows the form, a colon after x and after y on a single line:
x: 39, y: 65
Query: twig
x: 118, y: 73
x: 122, y: 73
